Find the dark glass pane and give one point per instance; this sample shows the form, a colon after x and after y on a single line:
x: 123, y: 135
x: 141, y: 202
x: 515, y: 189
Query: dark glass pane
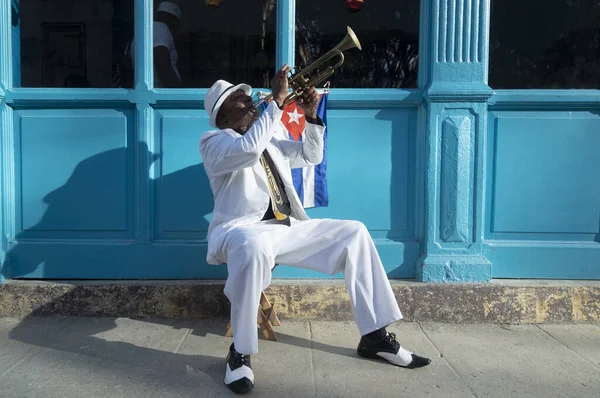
x: 545, y: 44
x: 66, y: 43
x: 213, y: 39
x: 388, y: 32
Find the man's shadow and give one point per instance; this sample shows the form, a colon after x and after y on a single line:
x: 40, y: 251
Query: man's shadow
x: 88, y: 198
x: 98, y: 204
x: 178, y: 372
x: 82, y: 340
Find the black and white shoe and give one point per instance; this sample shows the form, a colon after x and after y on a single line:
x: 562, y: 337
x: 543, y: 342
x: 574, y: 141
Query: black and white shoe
x: 239, y: 376
x: 389, y: 349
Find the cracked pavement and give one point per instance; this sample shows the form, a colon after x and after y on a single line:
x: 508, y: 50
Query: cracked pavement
x: 122, y: 357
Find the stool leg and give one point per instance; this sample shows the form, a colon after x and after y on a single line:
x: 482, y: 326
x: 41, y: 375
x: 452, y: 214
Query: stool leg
x: 265, y: 325
x: 275, y: 317
x: 269, y: 309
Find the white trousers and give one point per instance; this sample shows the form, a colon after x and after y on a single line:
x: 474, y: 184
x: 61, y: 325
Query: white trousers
x: 324, y: 245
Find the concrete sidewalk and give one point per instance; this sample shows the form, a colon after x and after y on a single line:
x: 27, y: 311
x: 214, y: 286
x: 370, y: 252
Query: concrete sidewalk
x: 120, y: 357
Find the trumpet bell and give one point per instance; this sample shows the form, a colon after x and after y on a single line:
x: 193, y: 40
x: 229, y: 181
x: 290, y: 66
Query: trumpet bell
x: 351, y: 36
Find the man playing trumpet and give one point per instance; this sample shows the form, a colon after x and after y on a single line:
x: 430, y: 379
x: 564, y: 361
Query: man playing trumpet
x: 258, y: 221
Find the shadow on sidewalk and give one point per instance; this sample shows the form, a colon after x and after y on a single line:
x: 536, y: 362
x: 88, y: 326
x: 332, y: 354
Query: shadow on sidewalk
x: 144, y: 354
x: 88, y: 342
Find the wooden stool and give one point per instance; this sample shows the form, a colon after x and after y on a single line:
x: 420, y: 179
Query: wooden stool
x: 266, y: 319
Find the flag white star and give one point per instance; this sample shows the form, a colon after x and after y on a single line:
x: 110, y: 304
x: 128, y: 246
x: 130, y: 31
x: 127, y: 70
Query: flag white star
x: 295, y: 116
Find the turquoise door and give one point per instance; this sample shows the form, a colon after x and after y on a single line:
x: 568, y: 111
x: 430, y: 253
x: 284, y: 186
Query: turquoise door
x: 104, y: 181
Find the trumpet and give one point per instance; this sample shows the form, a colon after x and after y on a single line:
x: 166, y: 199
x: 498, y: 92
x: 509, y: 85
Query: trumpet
x: 302, y: 80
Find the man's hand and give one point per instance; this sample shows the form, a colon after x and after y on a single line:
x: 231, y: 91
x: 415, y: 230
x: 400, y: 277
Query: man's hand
x: 309, y: 102
x: 279, y: 85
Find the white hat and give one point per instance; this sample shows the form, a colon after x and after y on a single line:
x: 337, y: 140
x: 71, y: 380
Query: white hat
x: 217, y: 94
x: 171, y: 8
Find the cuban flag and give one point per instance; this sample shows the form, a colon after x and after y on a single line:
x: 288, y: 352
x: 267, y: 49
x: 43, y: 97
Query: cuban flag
x: 310, y: 182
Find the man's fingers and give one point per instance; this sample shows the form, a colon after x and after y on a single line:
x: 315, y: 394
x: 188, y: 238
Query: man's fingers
x: 285, y: 69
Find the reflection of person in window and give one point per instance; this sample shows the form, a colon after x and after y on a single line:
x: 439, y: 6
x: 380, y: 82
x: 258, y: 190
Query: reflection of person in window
x: 166, y: 24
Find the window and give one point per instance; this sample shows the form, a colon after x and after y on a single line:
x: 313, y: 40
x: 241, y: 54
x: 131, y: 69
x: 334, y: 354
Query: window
x: 198, y: 42
x: 387, y: 30
x: 543, y: 44
x: 65, y: 43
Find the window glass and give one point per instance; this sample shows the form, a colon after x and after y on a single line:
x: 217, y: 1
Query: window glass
x: 68, y: 43
x: 388, y: 32
x: 197, y: 42
x: 546, y: 44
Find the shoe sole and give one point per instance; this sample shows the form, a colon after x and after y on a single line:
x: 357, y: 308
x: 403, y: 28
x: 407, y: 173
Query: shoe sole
x: 241, y: 386
x: 390, y: 358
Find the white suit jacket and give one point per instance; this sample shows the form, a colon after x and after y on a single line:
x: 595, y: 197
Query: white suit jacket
x: 238, y: 180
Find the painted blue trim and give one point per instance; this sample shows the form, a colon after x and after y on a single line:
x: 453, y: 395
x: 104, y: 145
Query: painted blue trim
x: 143, y: 97
x: 457, y: 92
x: 163, y: 98
x: 7, y: 186
x: 425, y: 44
x: 286, y: 33
x: 194, y: 98
x: 16, y: 43
x: 143, y: 54
x: 48, y: 97
x: 544, y: 260
x: 89, y: 259
x: 5, y: 134
x: 374, y: 98
x: 5, y: 47
x: 144, y: 134
x: 554, y: 99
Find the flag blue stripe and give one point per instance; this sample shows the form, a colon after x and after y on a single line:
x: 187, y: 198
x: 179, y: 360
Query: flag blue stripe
x: 321, y: 195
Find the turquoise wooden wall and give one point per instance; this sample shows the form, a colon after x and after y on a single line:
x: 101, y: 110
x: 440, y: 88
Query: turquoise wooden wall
x: 455, y: 182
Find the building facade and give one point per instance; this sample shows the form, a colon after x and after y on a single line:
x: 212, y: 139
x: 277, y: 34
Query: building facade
x: 465, y: 134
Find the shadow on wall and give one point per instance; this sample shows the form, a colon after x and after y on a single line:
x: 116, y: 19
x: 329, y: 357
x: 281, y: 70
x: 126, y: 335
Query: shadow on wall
x: 89, y: 225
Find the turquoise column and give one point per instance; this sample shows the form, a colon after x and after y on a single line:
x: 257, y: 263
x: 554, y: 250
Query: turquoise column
x: 453, y: 140
x: 142, y: 98
x: 15, y: 20
x: 6, y: 136
x: 286, y: 33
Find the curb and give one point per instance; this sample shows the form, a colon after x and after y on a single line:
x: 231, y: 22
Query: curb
x: 505, y: 302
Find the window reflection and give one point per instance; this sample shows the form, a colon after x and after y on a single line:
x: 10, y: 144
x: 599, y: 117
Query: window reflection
x: 89, y: 43
x: 198, y: 42
x: 65, y: 43
x: 546, y: 45
x: 387, y: 30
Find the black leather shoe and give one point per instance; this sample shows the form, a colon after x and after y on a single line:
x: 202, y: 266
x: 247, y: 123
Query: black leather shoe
x: 389, y: 348
x: 418, y: 362
x: 239, y: 377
